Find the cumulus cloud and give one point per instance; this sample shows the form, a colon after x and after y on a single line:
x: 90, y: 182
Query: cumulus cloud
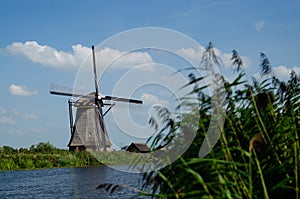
x: 52, y: 57
x: 118, y: 59
x: 282, y: 72
x: 41, y: 54
x: 149, y: 99
x: 27, y: 116
x: 6, y: 120
x: 259, y: 25
x: 195, y: 56
x: 21, y: 90
x: 192, y: 55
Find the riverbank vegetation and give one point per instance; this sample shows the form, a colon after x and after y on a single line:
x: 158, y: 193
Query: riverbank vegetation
x: 45, y: 155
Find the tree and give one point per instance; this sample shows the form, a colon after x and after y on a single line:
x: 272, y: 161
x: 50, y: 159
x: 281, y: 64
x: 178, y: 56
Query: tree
x: 8, y: 150
x: 45, y: 147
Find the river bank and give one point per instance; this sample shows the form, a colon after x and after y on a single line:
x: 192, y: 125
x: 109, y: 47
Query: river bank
x: 21, y: 161
x: 44, y: 155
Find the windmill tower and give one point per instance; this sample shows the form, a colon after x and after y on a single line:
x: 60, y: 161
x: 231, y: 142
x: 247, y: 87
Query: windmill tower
x: 89, y: 131
x: 86, y: 132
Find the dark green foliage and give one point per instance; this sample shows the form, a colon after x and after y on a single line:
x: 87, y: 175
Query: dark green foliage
x: 7, y: 150
x: 43, y: 147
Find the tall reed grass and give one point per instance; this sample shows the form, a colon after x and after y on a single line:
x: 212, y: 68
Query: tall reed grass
x: 257, y: 154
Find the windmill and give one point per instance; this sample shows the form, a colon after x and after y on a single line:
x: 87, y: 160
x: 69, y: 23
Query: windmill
x: 89, y: 131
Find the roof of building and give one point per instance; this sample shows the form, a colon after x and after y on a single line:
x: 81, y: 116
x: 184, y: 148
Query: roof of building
x: 141, y: 147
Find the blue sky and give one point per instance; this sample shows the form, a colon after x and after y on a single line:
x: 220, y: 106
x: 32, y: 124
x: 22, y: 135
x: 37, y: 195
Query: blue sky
x: 29, y: 114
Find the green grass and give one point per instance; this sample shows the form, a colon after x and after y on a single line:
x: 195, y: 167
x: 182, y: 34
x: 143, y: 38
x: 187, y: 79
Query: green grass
x: 41, y: 160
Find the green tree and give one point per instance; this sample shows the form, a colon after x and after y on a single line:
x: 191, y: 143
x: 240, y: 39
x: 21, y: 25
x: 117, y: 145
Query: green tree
x: 8, y: 150
x: 45, y: 147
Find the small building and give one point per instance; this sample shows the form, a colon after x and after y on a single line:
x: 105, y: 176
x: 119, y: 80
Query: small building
x: 138, y: 148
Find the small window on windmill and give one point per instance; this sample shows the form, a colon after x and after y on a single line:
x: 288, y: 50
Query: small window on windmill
x: 90, y: 134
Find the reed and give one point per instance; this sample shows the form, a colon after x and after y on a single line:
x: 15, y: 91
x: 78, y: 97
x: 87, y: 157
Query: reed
x: 257, y: 154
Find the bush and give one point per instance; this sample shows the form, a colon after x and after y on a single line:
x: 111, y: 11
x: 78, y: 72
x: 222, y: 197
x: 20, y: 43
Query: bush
x: 7, y: 164
x: 26, y: 164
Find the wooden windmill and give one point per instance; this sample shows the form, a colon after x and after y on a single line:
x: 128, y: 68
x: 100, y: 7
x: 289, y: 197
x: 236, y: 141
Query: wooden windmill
x: 89, y: 131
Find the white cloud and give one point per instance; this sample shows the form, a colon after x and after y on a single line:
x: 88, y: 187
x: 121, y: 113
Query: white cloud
x: 119, y: 59
x: 259, y: 25
x: 50, y: 56
x: 28, y: 116
x: 149, y: 99
x: 21, y: 90
x: 2, y: 110
x: 282, y: 72
x: 195, y: 56
x: 41, y: 54
x: 192, y: 55
x: 6, y: 120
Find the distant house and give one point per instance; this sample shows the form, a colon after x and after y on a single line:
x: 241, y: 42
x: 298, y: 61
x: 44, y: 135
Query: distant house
x: 138, y: 148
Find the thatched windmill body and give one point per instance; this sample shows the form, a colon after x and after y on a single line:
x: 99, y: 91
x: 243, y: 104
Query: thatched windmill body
x: 89, y: 131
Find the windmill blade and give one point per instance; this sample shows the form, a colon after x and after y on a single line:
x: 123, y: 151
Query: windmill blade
x: 95, y: 74
x: 65, y: 94
x: 56, y: 89
x: 99, y: 102
x: 121, y: 99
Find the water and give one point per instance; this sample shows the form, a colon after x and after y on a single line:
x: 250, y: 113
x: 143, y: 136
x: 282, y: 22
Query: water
x: 66, y: 183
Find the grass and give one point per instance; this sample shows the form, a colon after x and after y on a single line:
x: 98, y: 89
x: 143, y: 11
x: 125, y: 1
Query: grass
x: 41, y: 160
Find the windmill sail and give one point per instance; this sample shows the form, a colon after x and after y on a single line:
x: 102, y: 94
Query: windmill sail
x: 99, y: 104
